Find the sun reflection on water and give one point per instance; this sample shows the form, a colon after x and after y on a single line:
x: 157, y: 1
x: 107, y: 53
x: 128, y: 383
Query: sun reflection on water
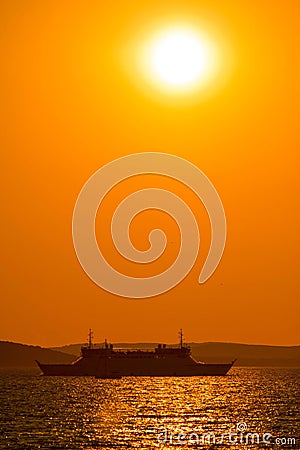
x: 131, y: 412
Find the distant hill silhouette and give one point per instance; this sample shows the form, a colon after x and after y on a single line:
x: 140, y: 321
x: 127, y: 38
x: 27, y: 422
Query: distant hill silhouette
x: 19, y: 355
x: 247, y: 355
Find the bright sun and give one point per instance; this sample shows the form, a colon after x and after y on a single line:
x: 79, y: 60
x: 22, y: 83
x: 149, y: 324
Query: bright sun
x: 180, y: 59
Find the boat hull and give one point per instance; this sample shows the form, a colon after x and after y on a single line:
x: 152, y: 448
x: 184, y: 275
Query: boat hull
x: 121, y: 367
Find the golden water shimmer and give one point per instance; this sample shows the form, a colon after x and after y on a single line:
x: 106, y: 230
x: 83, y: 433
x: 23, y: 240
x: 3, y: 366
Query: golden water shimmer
x: 86, y: 413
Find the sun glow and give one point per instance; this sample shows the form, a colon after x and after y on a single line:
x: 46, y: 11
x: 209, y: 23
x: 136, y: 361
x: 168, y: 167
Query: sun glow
x: 180, y: 59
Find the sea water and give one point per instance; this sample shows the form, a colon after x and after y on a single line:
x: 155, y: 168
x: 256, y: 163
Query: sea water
x: 248, y: 408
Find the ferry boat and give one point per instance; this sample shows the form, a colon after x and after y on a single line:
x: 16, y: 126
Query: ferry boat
x: 108, y: 362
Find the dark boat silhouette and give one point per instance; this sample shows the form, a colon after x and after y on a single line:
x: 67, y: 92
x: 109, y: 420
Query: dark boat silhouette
x: 108, y: 362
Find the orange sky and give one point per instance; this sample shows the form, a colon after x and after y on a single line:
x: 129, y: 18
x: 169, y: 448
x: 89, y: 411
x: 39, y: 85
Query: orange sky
x: 69, y: 104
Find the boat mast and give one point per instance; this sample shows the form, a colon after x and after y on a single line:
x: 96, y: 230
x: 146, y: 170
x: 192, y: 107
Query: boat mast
x: 181, y: 338
x: 90, y: 338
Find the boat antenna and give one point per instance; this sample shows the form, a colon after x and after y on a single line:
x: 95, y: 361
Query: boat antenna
x: 90, y: 338
x: 181, y: 337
